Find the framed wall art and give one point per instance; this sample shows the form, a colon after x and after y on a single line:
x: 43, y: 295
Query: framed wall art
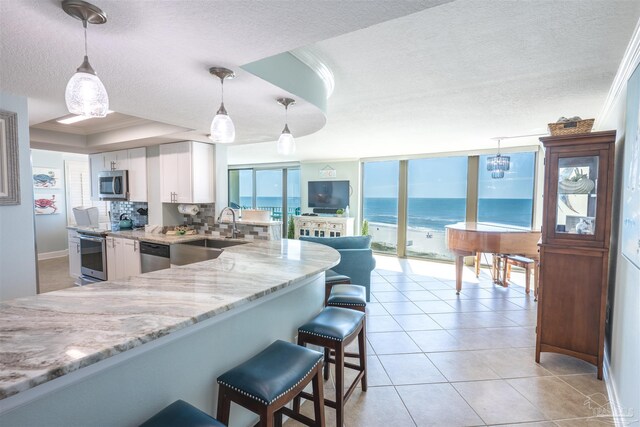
x: 44, y: 178
x: 9, y: 166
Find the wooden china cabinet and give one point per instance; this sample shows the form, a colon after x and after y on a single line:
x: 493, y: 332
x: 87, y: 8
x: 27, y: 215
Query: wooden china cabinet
x: 574, y: 249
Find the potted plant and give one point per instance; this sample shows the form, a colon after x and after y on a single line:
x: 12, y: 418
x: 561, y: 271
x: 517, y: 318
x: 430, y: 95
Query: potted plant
x: 291, y: 229
x: 365, y: 228
x: 340, y: 212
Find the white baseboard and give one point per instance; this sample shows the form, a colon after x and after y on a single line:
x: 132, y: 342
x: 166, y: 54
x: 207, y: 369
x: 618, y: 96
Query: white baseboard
x: 617, y: 410
x: 54, y: 254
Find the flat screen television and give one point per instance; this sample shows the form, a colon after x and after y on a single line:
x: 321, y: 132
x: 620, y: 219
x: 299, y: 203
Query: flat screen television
x: 328, y: 194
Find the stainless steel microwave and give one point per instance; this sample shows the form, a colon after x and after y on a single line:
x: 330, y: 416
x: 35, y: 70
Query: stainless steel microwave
x: 113, y: 185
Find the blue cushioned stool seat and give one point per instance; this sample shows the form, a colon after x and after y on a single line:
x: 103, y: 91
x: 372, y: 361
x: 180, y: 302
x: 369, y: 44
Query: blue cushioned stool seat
x: 334, y: 323
x: 268, y: 381
x: 349, y: 296
x: 272, y: 372
x: 332, y: 277
x: 180, y: 413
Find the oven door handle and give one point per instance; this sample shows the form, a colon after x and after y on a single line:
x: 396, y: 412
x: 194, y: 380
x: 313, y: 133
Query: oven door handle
x: 93, y: 239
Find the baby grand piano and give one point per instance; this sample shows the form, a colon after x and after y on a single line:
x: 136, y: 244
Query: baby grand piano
x: 471, y: 238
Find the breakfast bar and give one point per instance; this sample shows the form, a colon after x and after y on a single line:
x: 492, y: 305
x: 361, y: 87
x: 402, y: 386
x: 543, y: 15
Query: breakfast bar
x: 113, y: 353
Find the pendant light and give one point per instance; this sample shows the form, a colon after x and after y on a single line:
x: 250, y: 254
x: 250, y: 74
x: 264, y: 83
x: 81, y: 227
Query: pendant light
x: 286, y: 143
x: 222, y: 128
x: 85, y: 94
x: 498, y: 164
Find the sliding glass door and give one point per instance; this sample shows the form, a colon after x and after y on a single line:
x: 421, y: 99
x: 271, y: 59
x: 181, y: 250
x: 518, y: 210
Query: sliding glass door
x: 437, y: 195
x: 408, y: 203
x: 507, y: 200
x: 276, y: 190
x: 380, y: 204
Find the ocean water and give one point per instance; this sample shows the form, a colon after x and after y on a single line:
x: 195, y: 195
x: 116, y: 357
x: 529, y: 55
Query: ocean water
x: 434, y: 214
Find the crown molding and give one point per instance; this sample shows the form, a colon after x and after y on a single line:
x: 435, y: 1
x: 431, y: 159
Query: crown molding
x: 629, y: 62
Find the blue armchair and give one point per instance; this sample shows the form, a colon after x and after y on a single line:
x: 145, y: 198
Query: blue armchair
x: 356, y: 257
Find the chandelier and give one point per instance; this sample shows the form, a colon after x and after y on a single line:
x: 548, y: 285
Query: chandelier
x: 498, y: 164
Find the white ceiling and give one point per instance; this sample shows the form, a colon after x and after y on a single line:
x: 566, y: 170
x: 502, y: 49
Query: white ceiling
x: 153, y: 57
x: 411, y: 76
x: 451, y: 77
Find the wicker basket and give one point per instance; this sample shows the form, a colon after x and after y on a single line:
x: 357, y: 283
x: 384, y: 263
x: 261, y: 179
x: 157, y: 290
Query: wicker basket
x: 571, y: 128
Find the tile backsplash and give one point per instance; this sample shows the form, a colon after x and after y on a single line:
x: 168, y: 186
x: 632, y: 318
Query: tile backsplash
x: 204, y: 222
x: 131, y: 209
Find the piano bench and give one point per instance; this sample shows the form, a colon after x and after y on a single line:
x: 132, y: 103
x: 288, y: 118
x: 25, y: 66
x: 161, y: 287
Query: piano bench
x: 519, y: 261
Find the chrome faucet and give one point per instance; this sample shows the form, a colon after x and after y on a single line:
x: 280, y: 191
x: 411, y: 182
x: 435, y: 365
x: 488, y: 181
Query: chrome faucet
x: 234, y: 229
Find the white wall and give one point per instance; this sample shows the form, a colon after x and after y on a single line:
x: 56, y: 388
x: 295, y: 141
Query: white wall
x: 623, y: 337
x: 17, y: 241
x: 345, y: 171
x: 51, y: 231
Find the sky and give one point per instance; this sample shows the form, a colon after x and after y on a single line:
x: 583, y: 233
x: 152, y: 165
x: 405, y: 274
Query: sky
x: 269, y: 183
x: 446, y: 177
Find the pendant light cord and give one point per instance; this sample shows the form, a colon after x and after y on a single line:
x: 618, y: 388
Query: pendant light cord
x: 84, y: 24
x: 222, y: 90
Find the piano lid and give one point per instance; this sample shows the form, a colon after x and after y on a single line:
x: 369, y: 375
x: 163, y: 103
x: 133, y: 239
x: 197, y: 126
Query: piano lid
x: 487, y: 227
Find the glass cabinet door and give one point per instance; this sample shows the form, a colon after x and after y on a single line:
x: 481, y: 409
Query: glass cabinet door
x: 577, y: 195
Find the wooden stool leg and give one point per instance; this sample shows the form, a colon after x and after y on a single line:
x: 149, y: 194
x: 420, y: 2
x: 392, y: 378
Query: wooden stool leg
x: 224, y: 406
x: 362, y: 349
x: 267, y: 417
x: 504, y: 271
x: 327, y: 352
x: 536, y: 273
x: 296, y: 404
x: 339, y: 385
x: 278, y: 419
x: 508, y: 270
x: 527, y: 271
x: 318, y: 403
x: 478, y: 255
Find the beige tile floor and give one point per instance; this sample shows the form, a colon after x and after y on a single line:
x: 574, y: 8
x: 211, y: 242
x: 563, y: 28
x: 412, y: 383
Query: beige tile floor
x: 437, y: 359
x: 53, y: 274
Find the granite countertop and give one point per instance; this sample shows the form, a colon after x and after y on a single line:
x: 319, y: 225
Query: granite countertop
x: 49, y: 335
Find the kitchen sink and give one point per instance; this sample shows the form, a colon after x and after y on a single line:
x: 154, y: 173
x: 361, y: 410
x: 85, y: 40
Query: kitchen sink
x: 199, y: 250
x: 214, y: 244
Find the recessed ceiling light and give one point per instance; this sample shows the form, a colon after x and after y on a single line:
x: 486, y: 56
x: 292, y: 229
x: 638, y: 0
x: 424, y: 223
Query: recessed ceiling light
x: 76, y: 119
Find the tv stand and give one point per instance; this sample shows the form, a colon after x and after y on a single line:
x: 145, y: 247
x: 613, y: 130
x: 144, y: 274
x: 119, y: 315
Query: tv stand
x: 323, y: 226
x: 330, y: 211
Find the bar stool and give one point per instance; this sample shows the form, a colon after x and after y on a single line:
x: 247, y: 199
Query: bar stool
x: 332, y: 278
x: 334, y: 328
x: 180, y: 413
x: 348, y: 296
x: 269, y: 380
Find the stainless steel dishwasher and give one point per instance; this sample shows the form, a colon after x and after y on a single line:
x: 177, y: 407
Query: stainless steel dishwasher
x: 154, y: 256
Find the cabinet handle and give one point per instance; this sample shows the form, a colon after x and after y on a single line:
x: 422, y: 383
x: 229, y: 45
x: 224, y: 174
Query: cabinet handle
x: 77, y: 248
x: 135, y: 245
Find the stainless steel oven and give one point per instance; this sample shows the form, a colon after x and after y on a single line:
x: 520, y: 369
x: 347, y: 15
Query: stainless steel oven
x: 113, y: 185
x: 93, y: 256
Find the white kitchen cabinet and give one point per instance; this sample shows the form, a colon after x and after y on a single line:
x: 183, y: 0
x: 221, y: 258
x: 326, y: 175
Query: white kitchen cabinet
x: 187, y: 172
x: 137, y: 167
x: 323, y: 226
x: 112, y: 259
x: 134, y: 160
x: 74, y: 254
x: 123, y: 258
